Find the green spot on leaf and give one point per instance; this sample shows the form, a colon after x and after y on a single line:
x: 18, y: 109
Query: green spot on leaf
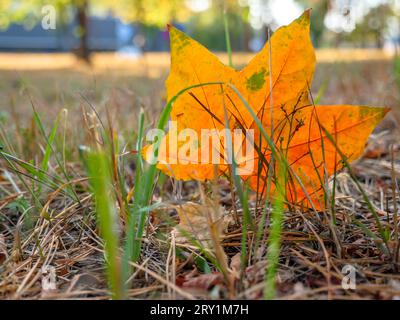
x: 257, y: 80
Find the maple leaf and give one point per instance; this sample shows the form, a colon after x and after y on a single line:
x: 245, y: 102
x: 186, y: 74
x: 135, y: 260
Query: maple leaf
x: 276, y: 88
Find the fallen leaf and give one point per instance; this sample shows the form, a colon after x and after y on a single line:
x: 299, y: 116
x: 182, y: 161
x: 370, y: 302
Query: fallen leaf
x: 276, y: 88
x: 84, y: 281
x: 198, y: 221
x: 310, y: 152
x: 379, y: 146
x: 204, y: 281
x: 235, y: 265
x: 293, y: 64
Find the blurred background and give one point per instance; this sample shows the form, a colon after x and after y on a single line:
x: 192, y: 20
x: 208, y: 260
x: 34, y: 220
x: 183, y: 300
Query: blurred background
x: 133, y: 27
x: 115, y: 52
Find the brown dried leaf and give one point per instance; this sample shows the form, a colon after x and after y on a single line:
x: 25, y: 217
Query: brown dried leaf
x: 204, y: 281
x: 199, y: 221
x: 235, y: 265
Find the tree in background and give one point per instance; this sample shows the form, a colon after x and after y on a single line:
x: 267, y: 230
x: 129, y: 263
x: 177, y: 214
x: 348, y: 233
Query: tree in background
x: 149, y: 15
x: 320, y: 9
x: 29, y: 13
x: 373, y: 27
x: 262, y: 8
x: 208, y: 27
x: 146, y: 12
x: 83, y: 51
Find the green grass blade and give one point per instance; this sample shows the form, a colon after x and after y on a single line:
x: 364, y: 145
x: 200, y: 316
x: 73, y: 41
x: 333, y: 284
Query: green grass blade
x: 100, y: 180
x: 47, y: 153
x: 241, y: 191
x: 48, y: 144
x: 321, y: 91
x: 275, y: 237
x: 130, y: 232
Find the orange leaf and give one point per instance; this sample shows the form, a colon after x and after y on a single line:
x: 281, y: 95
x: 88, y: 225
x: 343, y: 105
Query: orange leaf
x: 311, y: 154
x: 276, y: 89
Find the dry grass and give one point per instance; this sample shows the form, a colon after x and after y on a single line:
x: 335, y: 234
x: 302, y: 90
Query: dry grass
x: 62, y: 257
x: 154, y: 60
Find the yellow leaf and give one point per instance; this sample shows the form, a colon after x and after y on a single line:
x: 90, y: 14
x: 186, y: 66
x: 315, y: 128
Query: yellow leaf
x: 292, y: 63
x: 276, y: 88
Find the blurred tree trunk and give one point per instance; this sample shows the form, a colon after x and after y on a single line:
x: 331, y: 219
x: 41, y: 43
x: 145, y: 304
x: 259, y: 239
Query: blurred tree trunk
x: 338, y: 40
x: 83, y: 51
x: 246, y: 36
x: 321, y: 9
x: 379, y: 40
x: 363, y: 40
